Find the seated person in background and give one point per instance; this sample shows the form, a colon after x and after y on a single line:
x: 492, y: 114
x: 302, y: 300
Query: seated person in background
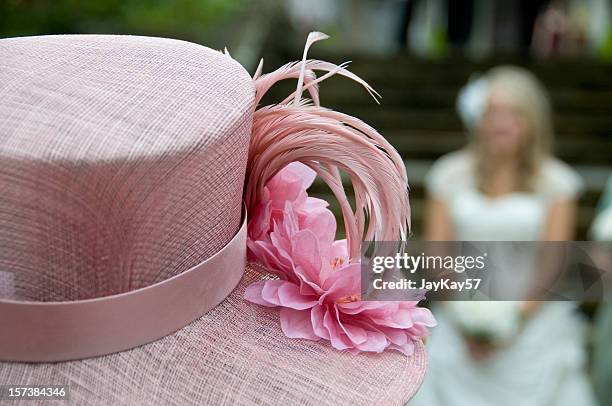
x: 602, y: 351
x: 506, y: 186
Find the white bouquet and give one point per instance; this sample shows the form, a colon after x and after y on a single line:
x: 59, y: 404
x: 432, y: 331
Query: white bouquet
x: 494, y: 322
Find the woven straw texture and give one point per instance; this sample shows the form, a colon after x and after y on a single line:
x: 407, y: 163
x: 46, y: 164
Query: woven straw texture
x: 234, y: 355
x: 123, y: 161
x: 122, y: 164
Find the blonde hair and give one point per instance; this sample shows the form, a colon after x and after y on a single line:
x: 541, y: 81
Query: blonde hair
x: 532, y: 100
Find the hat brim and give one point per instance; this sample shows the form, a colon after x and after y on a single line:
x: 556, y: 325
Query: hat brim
x: 236, y: 354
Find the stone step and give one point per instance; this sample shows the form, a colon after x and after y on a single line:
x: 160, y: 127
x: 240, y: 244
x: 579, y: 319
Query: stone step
x: 405, y: 69
x: 414, y: 144
x: 386, y: 118
x: 422, y: 96
x: 340, y: 92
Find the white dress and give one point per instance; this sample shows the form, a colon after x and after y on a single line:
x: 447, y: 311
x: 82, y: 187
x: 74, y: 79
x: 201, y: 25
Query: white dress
x: 544, y: 364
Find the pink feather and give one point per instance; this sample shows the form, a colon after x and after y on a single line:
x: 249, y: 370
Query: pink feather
x: 329, y: 142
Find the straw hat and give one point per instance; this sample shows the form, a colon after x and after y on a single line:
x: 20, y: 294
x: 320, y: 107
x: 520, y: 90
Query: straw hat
x: 134, y: 172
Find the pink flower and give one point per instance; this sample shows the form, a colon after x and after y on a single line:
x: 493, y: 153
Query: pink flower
x: 318, y: 290
x: 285, y: 209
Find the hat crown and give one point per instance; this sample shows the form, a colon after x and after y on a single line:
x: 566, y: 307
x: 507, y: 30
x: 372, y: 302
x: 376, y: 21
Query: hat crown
x: 123, y: 161
x: 105, y: 97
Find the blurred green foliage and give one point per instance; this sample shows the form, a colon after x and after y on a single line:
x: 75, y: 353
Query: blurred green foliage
x: 184, y: 19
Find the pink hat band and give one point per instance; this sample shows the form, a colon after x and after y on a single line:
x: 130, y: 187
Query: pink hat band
x: 61, y: 331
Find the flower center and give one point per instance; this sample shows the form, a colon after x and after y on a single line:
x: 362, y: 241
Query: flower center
x: 336, y: 263
x: 348, y: 299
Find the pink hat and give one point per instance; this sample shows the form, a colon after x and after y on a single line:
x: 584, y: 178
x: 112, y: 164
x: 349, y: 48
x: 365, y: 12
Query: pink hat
x: 158, y: 245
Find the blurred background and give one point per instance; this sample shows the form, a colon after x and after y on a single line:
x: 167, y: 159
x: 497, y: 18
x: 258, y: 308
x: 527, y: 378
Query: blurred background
x: 418, y: 54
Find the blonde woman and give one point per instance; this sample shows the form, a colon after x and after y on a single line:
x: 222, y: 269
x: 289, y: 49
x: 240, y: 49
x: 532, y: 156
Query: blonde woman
x: 506, y: 186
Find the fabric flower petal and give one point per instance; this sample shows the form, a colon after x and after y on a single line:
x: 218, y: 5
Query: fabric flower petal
x: 253, y: 294
x: 269, y: 291
x: 375, y: 342
x: 343, y: 283
x: 289, y: 296
x: 407, y: 348
x: 423, y: 316
x: 317, y: 315
x: 336, y: 336
x: 296, y: 324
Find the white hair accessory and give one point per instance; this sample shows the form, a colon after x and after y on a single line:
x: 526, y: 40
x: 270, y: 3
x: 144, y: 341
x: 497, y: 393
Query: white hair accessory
x: 471, y: 100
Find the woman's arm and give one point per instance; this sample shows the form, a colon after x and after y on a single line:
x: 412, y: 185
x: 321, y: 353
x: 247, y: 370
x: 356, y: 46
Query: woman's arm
x: 560, y: 221
x: 559, y: 226
x: 438, y: 223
